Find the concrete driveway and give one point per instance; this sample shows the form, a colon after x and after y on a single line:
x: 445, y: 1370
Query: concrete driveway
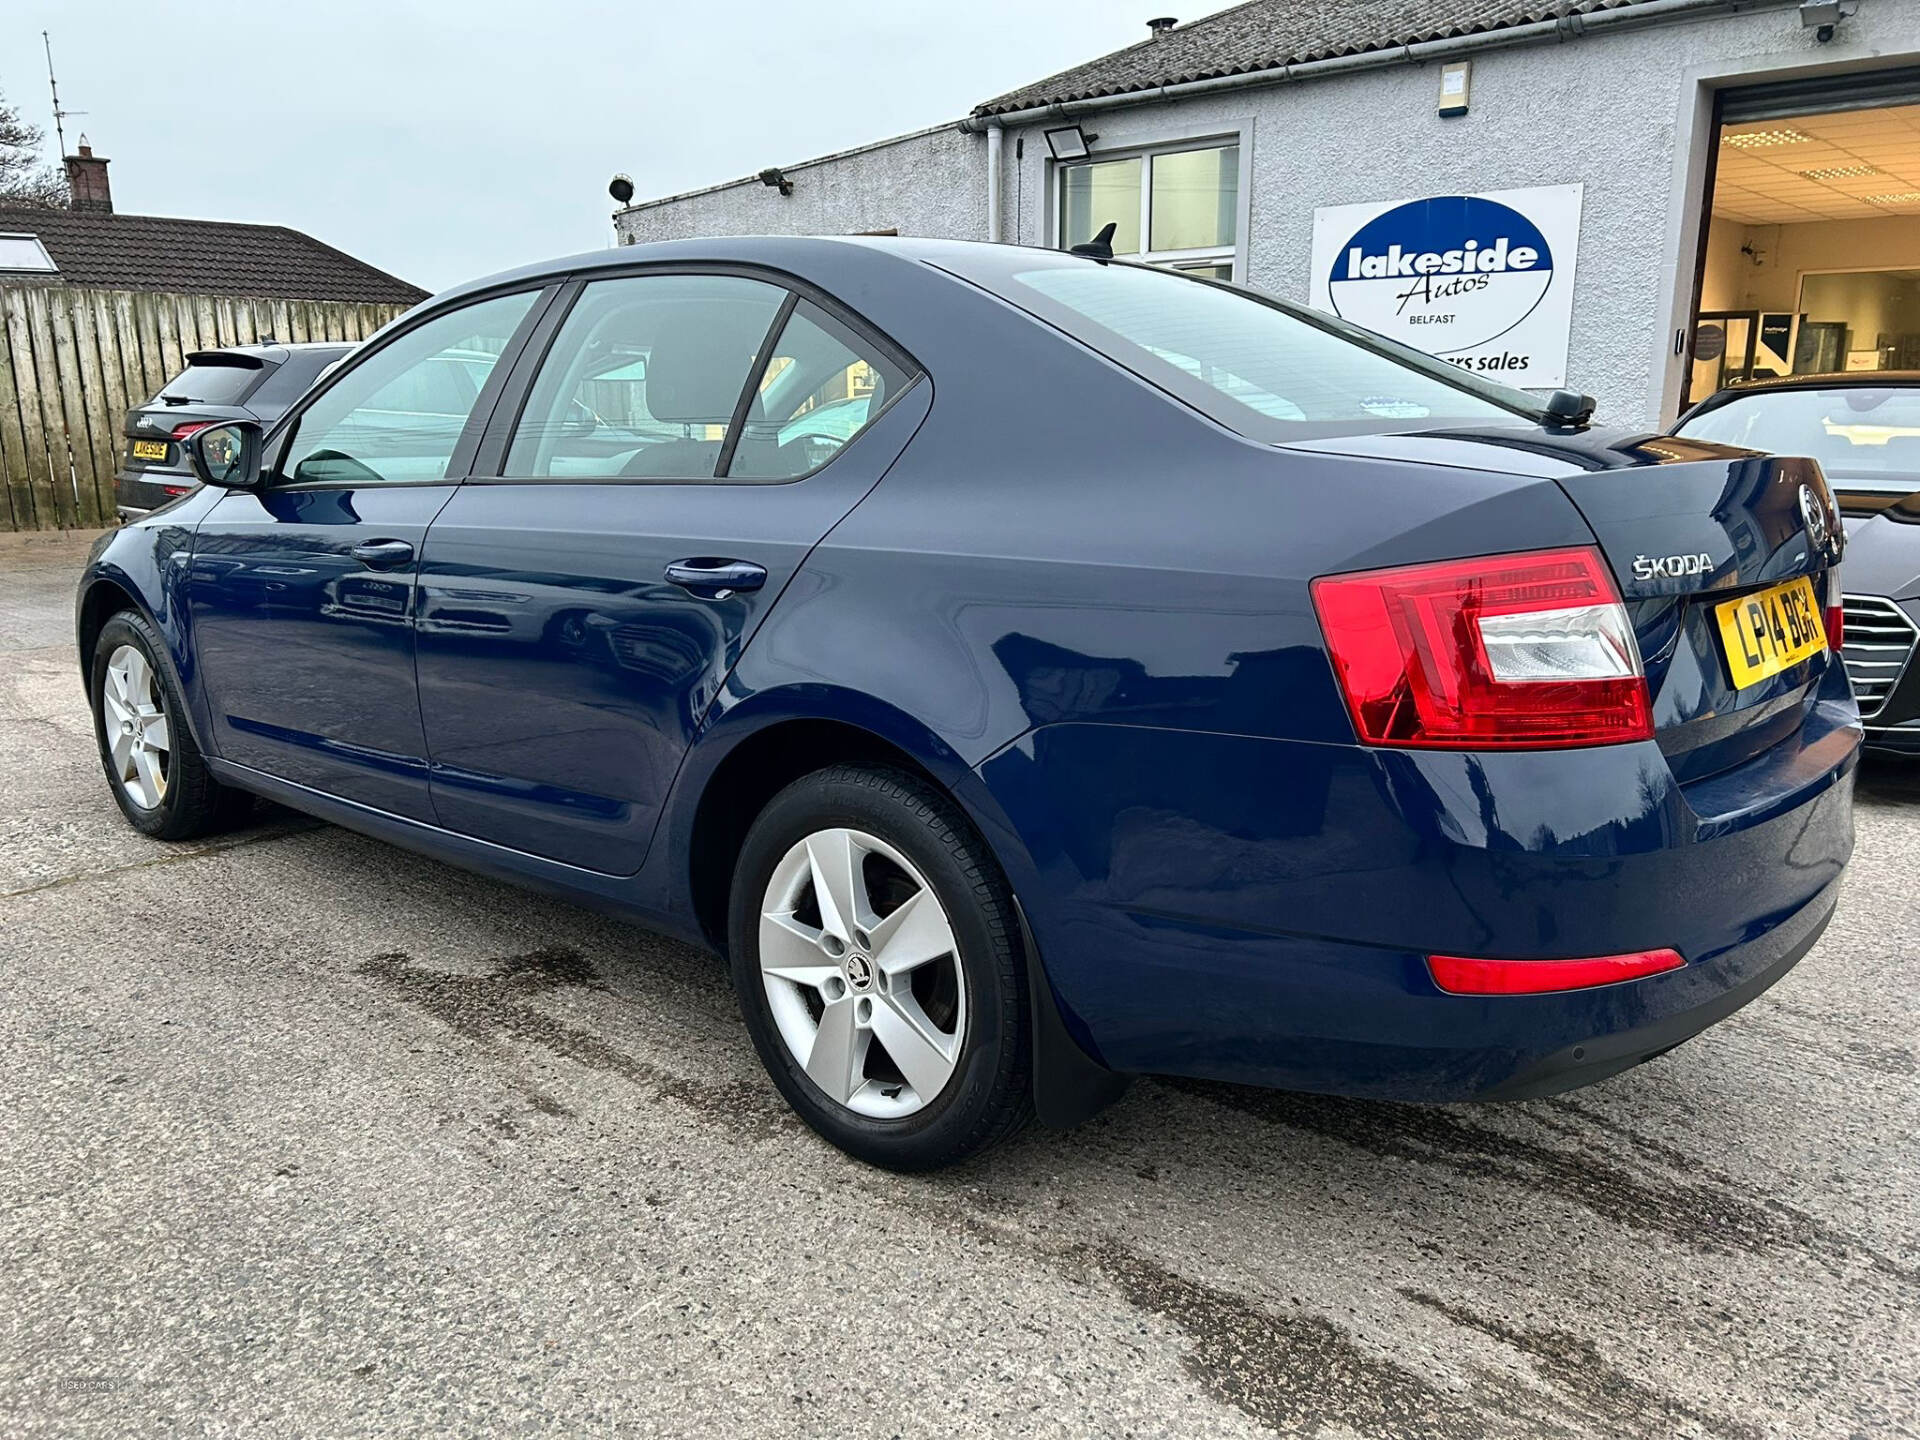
x: 303, y: 1135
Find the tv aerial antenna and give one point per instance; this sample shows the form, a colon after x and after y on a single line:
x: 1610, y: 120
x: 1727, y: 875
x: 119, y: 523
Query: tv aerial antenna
x: 59, y: 115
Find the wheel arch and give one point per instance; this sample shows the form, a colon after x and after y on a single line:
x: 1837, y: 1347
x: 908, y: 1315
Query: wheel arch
x: 760, y: 746
x: 106, y: 590
x: 101, y: 599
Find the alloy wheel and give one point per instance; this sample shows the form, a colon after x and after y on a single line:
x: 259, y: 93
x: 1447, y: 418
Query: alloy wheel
x: 136, y: 727
x: 862, y: 973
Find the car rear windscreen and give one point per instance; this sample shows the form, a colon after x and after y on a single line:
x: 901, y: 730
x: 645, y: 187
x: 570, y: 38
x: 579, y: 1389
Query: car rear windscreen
x: 1268, y: 371
x: 212, y: 382
x: 1865, y: 430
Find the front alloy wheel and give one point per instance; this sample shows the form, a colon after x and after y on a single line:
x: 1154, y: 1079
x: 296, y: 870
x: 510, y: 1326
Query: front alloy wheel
x: 159, y: 780
x: 134, y: 719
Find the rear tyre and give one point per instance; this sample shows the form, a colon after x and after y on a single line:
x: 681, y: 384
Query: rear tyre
x: 154, y: 769
x: 875, y: 953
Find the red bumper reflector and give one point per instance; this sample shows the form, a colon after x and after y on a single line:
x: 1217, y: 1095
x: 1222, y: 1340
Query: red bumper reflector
x: 1461, y: 975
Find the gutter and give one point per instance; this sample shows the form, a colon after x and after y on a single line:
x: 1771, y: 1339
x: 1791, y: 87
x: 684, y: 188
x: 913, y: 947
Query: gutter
x: 1568, y: 27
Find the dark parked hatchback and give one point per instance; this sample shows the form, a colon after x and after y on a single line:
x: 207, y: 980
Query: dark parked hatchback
x: 1864, y: 429
x: 237, y: 382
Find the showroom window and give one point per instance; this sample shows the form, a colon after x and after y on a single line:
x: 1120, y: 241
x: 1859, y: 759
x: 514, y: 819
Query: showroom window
x: 1178, y: 208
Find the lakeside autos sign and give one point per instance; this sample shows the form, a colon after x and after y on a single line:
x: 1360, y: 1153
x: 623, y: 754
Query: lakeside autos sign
x: 1485, y: 281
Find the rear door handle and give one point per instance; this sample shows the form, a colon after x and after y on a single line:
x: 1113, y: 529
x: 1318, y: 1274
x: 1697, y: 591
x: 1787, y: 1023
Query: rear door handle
x: 716, y: 579
x: 382, y: 554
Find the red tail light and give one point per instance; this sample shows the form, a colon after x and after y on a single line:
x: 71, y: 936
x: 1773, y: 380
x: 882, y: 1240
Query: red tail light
x: 1460, y: 975
x: 1530, y: 651
x: 1835, y: 612
x: 190, y: 427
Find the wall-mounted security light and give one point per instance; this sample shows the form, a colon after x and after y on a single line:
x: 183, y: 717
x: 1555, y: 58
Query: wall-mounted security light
x: 1456, y: 80
x: 1069, y: 142
x: 773, y: 179
x: 621, y: 189
x: 1824, y: 16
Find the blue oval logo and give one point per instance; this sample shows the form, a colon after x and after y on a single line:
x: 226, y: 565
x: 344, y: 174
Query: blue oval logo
x: 1444, y: 274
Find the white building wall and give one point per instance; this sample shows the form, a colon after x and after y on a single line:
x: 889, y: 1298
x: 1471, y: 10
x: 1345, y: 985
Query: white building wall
x: 933, y: 182
x: 1626, y: 112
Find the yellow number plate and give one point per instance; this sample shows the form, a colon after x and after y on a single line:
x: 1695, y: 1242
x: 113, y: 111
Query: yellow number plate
x: 149, y: 449
x: 1770, y: 631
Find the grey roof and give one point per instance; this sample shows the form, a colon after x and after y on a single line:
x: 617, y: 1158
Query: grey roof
x: 1264, y: 34
x: 202, y: 257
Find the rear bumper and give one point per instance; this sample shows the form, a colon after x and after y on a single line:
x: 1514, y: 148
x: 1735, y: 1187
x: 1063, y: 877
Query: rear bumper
x: 1259, y: 911
x: 1707, y: 999
x: 141, y: 492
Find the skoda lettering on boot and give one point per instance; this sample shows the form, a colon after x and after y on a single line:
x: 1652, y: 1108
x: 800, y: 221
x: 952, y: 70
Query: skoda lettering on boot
x: 1671, y: 567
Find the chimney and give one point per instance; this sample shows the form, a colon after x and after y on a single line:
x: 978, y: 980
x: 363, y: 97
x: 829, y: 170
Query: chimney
x: 1160, y: 25
x: 87, y: 182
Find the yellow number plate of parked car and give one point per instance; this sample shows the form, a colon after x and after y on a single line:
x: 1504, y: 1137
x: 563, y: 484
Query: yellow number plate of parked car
x: 149, y: 449
x: 1771, y: 630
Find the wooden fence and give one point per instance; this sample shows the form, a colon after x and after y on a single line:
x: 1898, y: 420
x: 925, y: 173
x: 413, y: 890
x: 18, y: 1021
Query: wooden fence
x: 73, y: 361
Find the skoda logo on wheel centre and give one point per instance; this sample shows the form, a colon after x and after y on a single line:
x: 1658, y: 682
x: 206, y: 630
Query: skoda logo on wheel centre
x: 859, y: 972
x: 1443, y: 274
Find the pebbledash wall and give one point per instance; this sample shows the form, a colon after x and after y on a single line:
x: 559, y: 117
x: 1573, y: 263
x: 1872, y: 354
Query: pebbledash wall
x: 1628, y: 111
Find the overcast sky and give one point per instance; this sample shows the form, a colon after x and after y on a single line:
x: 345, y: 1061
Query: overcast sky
x: 443, y: 141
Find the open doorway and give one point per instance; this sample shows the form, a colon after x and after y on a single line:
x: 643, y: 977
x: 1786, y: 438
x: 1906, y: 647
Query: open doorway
x: 1810, y: 262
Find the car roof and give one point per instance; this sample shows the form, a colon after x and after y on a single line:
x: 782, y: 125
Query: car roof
x: 776, y: 252
x: 276, y: 351
x: 1833, y: 380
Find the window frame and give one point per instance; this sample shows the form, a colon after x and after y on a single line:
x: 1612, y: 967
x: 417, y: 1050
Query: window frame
x: 489, y: 466
x: 460, y: 462
x: 1234, y: 256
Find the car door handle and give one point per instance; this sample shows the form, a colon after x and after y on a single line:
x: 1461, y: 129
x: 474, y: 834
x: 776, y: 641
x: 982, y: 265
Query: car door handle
x: 382, y: 554
x: 716, y: 579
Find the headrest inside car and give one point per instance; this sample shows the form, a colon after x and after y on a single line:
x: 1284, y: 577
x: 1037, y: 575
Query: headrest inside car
x: 699, y: 363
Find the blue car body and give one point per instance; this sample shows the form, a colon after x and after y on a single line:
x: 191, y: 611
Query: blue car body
x: 1083, y: 607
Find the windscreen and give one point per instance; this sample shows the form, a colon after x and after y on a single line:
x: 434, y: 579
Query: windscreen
x: 1269, y: 371
x: 211, y: 383
x: 1871, y: 431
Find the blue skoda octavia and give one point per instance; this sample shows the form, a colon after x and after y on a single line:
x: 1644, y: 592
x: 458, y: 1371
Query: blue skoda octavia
x: 1029, y: 671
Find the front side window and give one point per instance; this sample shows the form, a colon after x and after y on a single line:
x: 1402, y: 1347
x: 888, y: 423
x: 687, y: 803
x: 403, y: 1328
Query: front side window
x: 1270, y: 371
x: 644, y: 379
x: 822, y: 386
x: 1178, y: 208
x: 398, y: 417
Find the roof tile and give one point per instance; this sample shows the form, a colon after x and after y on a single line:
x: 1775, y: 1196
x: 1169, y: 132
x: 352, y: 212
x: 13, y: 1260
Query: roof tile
x: 1265, y: 34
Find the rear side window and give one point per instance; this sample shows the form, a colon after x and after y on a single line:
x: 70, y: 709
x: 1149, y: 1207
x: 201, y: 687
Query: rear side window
x: 645, y: 378
x: 1257, y: 367
x: 212, y: 382
x: 822, y: 386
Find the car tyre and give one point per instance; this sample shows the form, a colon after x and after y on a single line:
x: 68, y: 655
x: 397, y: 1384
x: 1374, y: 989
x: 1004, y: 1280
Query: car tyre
x: 919, y: 986
x: 156, y: 772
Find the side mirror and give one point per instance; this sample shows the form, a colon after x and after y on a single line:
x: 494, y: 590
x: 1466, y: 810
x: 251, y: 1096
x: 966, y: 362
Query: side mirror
x: 227, y: 455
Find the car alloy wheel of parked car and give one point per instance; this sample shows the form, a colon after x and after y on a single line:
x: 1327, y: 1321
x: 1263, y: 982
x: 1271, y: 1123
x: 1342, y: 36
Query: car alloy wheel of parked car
x: 153, y: 766
x: 873, y: 950
x: 136, y: 727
